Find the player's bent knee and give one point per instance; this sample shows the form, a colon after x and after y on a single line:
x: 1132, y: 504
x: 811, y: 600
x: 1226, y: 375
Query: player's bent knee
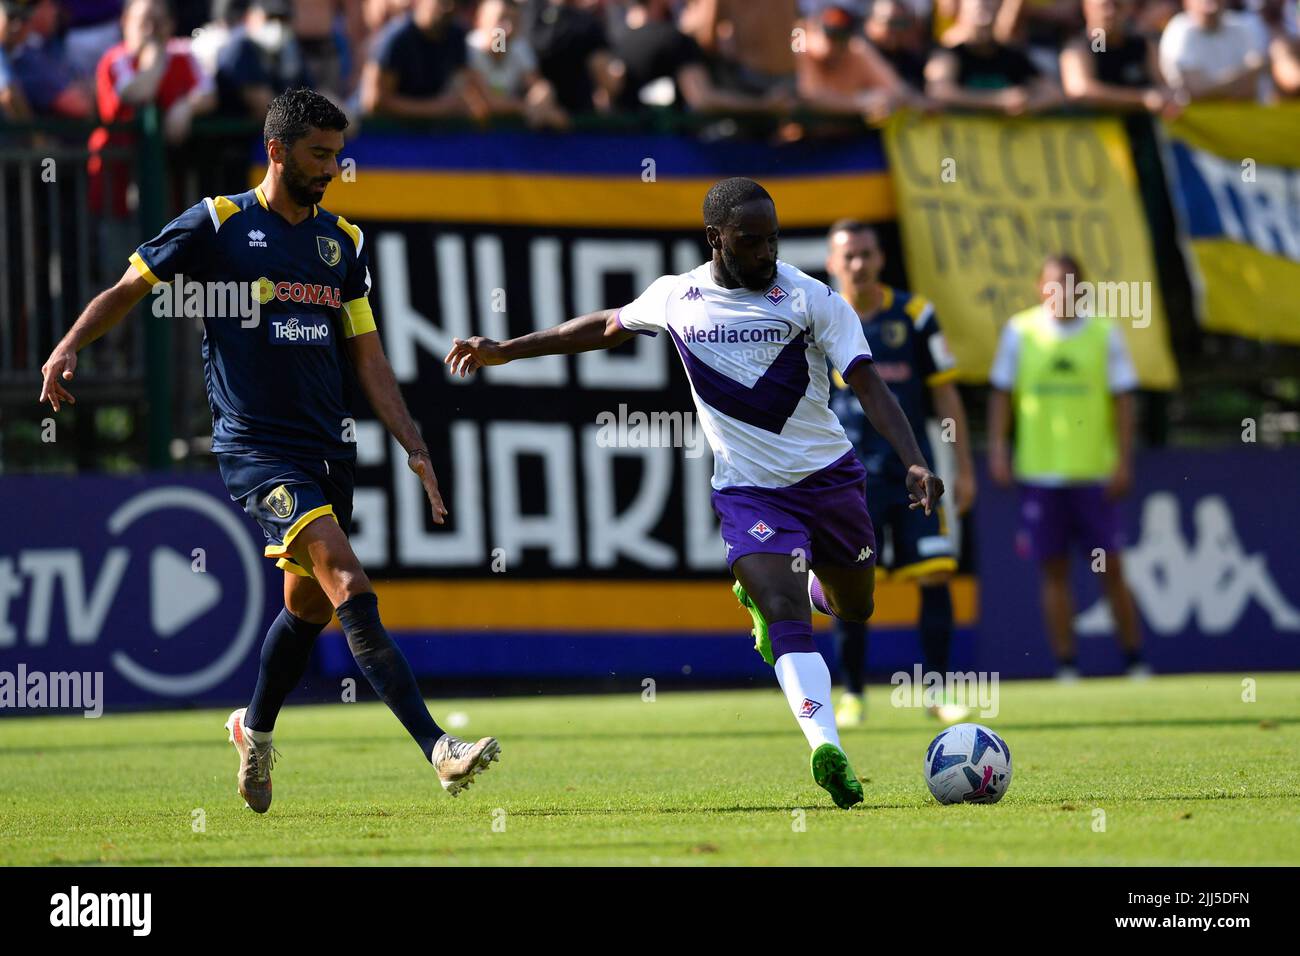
x: 856, y: 611
x: 341, y: 580
x: 786, y: 607
x: 309, y: 604
x: 350, y: 582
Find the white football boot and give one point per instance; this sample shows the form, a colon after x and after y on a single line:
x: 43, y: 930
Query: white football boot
x: 255, y: 764
x: 457, y: 761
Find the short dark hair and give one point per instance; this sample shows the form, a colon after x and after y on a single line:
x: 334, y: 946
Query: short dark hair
x: 166, y: 7
x: 1066, y: 262
x: 851, y: 226
x: 722, y: 199
x: 295, y: 113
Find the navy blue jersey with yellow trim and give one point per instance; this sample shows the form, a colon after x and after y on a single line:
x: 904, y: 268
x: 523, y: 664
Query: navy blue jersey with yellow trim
x: 909, y: 352
x: 285, y: 384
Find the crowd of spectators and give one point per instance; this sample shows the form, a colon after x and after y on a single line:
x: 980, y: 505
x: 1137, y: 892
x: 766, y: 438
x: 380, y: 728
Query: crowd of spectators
x: 546, y: 61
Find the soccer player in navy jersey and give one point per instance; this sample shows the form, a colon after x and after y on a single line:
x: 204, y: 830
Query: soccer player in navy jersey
x: 280, y: 384
x: 755, y: 335
x: 912, y: 357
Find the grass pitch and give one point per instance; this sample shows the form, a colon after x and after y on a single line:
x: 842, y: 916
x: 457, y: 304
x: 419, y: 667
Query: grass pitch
x: 1183, y: 770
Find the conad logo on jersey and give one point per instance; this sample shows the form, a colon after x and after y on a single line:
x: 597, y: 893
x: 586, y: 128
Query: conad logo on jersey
x: 304, y: 292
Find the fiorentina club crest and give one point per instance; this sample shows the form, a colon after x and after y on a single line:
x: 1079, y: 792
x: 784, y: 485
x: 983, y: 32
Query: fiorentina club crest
x: 761, y: 531
x: 775, y: 295
x: 809, y: 707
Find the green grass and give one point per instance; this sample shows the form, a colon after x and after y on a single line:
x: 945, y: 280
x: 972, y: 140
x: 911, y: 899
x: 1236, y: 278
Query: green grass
x: 1185, y: 771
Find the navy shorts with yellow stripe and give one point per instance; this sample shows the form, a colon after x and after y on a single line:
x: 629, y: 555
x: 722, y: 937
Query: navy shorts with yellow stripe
x: 285, y: 495
x: 920, y: 543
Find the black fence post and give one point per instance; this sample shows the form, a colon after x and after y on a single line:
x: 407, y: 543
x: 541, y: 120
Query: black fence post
x: 152, y: 179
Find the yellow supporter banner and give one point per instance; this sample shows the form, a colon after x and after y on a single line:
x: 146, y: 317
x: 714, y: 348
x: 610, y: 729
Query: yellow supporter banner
x: 658, y: 607
x: 1236, y: 179
x: 982, y: 200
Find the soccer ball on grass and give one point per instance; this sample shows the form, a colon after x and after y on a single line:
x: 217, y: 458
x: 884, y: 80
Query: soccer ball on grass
x: 968, y: 763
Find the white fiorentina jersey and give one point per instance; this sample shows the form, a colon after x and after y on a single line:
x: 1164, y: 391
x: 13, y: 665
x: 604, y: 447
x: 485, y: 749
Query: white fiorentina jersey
x: 757, y: 366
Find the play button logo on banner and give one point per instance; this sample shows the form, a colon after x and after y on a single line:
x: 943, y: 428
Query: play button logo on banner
x: 178, y: 596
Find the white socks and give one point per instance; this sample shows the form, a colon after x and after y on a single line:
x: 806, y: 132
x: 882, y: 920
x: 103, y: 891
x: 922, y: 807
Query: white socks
x: 806, y: 681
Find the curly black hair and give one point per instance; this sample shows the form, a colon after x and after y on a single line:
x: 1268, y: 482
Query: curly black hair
x: 722, y: 199
x: 295, y: 113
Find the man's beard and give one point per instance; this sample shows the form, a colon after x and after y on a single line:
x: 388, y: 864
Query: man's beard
x: 750, y: 280
x: 301, y: 189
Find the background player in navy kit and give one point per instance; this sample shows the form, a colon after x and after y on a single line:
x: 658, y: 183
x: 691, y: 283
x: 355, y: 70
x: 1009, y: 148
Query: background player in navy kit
x: 911, y: 356
x: 280, y: 384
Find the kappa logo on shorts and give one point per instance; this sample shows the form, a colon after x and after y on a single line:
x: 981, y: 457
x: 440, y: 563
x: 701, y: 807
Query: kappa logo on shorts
x: 809, y: 707
x: 864, y: 554
x: 776, y: 294
x: 761, y: 531
x: 279, y: 502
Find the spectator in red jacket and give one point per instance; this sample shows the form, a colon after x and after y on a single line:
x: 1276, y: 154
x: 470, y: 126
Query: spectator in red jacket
x: 149, y: 66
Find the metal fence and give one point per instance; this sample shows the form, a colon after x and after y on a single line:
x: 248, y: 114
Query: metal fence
x: 56, y: 256
x: 67, y: 229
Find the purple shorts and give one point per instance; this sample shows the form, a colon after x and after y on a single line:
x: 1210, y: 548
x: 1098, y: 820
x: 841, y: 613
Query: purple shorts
x: 823, y: 515
x: 1053, y: 519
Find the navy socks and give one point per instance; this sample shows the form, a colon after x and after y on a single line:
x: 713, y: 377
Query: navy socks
x: 387, y: 669
x: 852, y: 638
x: 284, y: 658
x: 935, y: 627
x: 935, y: 631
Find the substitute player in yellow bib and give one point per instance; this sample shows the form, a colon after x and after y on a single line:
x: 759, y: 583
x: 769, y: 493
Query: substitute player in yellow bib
x: 1068, y: 379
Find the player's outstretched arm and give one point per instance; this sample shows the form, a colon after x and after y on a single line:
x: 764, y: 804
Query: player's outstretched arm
x: 104, y: 311
x: 887, y: 417
x: 586, y: 333
x: 380, y: 385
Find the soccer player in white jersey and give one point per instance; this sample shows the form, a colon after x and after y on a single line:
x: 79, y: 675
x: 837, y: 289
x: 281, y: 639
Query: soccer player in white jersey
x: 754, y: 334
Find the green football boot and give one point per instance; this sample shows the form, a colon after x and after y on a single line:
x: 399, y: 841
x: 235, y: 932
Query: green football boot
x: 762, y: 643
x: 832, y: 772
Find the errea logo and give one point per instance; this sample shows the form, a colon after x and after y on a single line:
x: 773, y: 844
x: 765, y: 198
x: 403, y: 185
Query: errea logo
x: 256, y: 237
